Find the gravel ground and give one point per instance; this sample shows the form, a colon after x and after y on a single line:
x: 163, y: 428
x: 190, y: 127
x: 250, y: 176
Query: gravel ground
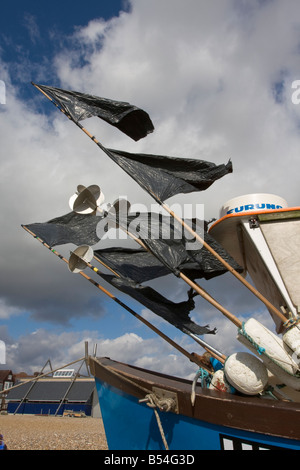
x: 29, y: 432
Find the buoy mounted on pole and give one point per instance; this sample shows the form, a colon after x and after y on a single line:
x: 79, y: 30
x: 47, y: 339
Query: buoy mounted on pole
x: 87, y: 200
x: 80, y: 257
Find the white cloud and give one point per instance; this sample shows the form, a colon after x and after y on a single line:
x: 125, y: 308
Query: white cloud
x: 6, y: 311
x: 207, y: 76
x: 31, y: 25
x: 32, y: 351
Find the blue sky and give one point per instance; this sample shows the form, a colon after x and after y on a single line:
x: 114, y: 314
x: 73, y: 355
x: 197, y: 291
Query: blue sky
x: 35, y: 30
x: 33, y: 33
x: 216, y: 78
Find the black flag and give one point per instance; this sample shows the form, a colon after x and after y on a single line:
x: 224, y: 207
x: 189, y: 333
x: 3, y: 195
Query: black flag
x: 177, y: 314
x: 163, y: 177
x: 136, y: 264
x: 129, y: 119
x: 74, y: 228
x: 165, y: 238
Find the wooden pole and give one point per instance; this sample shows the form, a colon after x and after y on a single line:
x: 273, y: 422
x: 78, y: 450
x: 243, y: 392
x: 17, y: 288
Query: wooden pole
x: 191, y: 357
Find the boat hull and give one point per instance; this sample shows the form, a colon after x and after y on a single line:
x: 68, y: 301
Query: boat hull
x: 217, y: 421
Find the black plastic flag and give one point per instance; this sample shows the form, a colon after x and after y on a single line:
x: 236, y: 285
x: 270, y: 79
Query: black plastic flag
x: 136, y: 264
x: 69, y: 228
x: 163, y: 177
x: 168, y: 242
x: 176, y: 314
x: 126, y: 117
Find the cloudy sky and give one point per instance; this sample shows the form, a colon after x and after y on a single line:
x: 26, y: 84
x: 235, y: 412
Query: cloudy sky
x: 217, y: 80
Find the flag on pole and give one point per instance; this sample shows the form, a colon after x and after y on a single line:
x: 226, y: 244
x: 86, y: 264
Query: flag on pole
x: 133, y: 267
x: 131, y: 120
x: 164, y: 177
x: 165, y: 238
x: 136, y: 264
x: 69, y: 228
x: 176, y: 314
x: 161, y: 176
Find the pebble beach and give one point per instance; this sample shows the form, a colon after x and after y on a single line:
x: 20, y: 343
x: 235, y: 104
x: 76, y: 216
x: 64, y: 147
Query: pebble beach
x: 31, y: 432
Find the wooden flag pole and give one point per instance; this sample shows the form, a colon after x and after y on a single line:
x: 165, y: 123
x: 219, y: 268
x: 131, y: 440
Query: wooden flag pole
x: 197, y: 236
x: 212, y: 301
x: 193, y: 357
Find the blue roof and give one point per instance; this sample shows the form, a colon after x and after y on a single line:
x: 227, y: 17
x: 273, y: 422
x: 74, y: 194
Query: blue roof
x: 53, y: 390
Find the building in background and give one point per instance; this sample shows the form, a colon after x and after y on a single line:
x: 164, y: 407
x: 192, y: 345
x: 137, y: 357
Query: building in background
x: 7, y: 380
x: 63, y: 393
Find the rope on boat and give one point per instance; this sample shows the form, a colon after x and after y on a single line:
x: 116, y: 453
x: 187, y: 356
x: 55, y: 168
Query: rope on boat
x: 164, y: 404
x: 205, y: 381
x: 258, y: 348
x: 291, y: 322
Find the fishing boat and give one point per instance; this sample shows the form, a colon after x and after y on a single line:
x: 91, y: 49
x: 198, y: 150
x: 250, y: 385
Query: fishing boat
x: 248, y: 400
x: 128, y: 397
x: 205, y: 418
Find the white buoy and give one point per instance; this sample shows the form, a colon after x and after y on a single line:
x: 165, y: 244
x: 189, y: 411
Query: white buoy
x: 272, y: 351
x: 292, y: 339
x: 219, y: 383
x: 86, y: 200
x: 246, y: 373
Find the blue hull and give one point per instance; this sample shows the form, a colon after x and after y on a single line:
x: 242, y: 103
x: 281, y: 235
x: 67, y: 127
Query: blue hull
x: 130, y: 425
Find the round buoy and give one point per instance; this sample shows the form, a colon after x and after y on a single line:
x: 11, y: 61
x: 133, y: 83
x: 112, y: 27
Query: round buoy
x: 246, y: 373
